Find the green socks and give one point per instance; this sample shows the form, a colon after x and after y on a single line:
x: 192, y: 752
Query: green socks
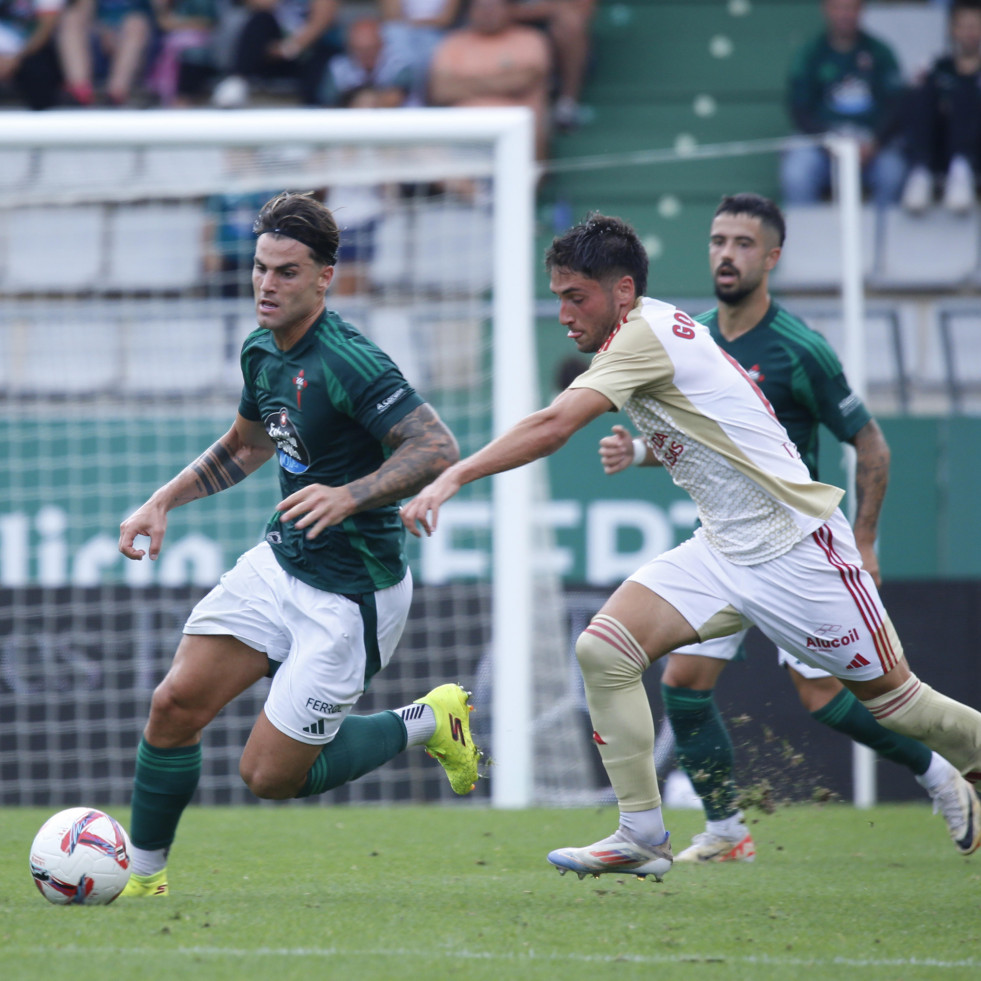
x: 166, y: 779
x: 845, y: 713
x: 163, y: 785
x: 703, y: 748
x: 362, y: 744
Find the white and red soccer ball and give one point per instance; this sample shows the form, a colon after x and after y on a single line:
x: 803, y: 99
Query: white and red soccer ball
x: 81, y: 856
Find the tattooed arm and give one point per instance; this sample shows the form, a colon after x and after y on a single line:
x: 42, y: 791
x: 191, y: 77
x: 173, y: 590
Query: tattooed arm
x: 242, y: 450
x: 871, y: 477
x: 422, y: 448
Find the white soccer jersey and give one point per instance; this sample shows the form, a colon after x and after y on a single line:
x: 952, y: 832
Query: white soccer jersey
x: 713, y: 430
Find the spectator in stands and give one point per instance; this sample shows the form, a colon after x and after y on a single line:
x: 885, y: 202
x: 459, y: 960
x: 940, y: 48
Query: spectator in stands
x: 104, y: 39
x: 414, y: 28
x: 849, y: 82
x: 494, y: 62
x: 567, y: 24
x: 28, y: 56
x: 369, y: 72
x: 282, y: 40
x: 944, y: 120
x: 229, y: 244
x: 185, y: 61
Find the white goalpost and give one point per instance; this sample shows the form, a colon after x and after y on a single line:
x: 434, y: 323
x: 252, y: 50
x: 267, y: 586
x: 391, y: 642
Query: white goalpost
x: 118, y: 356
x: 845, y: 153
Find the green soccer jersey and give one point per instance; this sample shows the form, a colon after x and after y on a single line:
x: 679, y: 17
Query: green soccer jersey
x: 327, y: 403
x: 800, y: 375
x: 830, y: 89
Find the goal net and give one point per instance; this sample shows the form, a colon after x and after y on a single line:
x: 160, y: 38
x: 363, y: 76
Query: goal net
x: 125, y: 254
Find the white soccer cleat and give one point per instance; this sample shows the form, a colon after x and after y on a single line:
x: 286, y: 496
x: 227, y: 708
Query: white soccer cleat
x: 959, y: 804
x: 619, y: 853
x: 709, y: 847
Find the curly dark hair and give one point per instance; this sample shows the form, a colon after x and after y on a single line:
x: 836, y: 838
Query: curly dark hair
x: 299, y: 215
x: 602, y: 248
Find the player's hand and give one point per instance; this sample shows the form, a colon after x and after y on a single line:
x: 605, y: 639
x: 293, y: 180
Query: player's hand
x: 317, y: 507
x: 416, y: 513
x: 616, y: 451
x: 149, y: 520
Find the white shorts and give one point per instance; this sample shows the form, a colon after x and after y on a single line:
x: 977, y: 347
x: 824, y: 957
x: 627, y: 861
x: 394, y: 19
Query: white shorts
x: 329, y: 645
x: 815, y: 602
x: 727, y: 648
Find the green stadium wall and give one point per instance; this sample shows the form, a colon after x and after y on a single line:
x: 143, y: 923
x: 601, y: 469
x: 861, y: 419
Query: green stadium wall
x: 63, y: 499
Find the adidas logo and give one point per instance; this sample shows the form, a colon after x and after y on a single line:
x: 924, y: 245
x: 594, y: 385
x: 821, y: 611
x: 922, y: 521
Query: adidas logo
x: 316, y: 729
x: 856, y: 662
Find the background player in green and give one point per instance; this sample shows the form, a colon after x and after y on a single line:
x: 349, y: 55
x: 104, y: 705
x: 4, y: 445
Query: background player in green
x: 801, y: 377
x: 321, y: 603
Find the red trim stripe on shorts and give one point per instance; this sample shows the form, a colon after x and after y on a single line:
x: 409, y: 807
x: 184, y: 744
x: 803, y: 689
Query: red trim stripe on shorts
x: 852, y: 579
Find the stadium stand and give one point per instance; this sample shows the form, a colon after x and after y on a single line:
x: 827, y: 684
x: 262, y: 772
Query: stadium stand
x: 173, y: 355
x: 690, y: 74
x: 679, y: 74
x: 673, y: 75
x: 170, y: 258
x: 804, y: 268
x: 55, y: 251
x: 936, y: 251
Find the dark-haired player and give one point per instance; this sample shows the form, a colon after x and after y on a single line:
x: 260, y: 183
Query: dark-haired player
x: 802, y: 379
x: 773, y: 548
x: 321, y: 603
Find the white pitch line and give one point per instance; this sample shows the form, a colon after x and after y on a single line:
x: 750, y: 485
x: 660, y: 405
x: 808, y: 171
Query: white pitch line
x: 529, y: 955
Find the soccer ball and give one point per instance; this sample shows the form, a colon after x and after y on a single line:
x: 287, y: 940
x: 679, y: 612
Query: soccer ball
x: 80, y: 855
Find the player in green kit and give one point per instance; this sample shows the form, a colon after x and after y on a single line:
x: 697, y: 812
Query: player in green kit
x: 802, y: 379
x: 320, y: 604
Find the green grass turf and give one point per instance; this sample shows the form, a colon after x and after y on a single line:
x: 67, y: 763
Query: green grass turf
x: 463, y: 892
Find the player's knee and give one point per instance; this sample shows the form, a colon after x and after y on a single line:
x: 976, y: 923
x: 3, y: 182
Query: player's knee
x: 265, y: 782
x: 173, y: 717
x: 608, y: 654
x: 815, y: 693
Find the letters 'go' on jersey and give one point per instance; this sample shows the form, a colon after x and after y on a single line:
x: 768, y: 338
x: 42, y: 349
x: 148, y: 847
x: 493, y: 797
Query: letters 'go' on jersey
x: 713, y: 430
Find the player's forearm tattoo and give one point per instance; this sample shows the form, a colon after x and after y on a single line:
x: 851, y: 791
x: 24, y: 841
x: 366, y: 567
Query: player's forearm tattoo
x: 216, y: 470
x: 422, y: 448
x: 871, y: 477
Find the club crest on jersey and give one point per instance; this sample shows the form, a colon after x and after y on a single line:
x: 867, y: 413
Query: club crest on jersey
x: 293, y: 455
x: 301, y: 383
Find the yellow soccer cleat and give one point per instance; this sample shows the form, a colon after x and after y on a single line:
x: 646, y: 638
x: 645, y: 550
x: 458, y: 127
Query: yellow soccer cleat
x: 452, y: 745
x: 146, y: 885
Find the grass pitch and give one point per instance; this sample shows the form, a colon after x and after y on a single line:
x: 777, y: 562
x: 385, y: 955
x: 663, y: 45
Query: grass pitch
x: 463, y: 892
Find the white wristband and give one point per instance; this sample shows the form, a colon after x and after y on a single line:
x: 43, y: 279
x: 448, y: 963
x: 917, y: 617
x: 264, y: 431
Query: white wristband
x: 640, y: 451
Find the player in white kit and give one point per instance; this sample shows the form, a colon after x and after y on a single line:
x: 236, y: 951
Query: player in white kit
x: 773, y: 548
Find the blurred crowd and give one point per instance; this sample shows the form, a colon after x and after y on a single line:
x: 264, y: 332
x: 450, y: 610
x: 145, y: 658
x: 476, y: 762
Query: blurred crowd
x: 337, y: 53
x: 920, y: 139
